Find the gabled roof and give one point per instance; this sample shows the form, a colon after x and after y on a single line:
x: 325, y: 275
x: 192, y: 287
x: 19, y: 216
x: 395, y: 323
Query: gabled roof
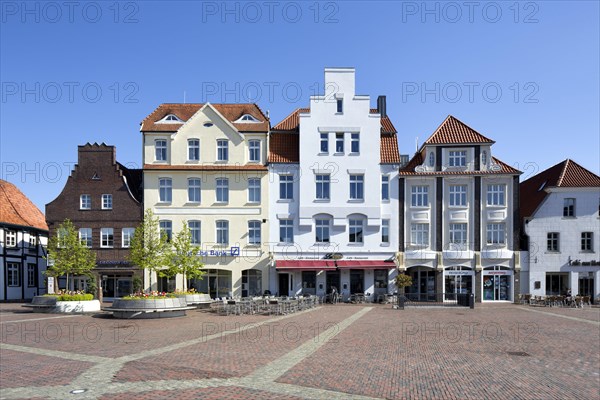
x: 284, y: 141
x: 17, y: 209
x: 232, y: 112
x: 417, y: 159
x: 291, y: 123
x: 566, y: 174
x: 453, y: 131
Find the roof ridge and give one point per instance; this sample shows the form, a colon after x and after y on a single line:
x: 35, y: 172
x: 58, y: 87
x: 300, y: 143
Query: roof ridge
x: 563, y: 172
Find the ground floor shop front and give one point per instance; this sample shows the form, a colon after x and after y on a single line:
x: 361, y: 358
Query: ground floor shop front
x: 492, y: 283
x: 345, y: 278
x: 579, y: 280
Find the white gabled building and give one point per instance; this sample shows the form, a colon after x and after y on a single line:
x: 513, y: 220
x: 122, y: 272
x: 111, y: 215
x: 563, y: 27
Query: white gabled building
x: 205, y: 164
x: 333, y: 175
x: 459, y: 218
x: 560, y: 208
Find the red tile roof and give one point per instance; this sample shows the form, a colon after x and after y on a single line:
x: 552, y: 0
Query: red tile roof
x: 564, y: 174
x: 388, y: 149
x: 291, y: 123
x: 208, y: 167
x: 453, y: 131
x: 185, y: 111
x: 17, y: 209
x: 284, y: 148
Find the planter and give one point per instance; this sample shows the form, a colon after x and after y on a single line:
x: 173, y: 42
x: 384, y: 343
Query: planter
x: 149, y: 308
x: 49, y: 304
x: 199, y: 300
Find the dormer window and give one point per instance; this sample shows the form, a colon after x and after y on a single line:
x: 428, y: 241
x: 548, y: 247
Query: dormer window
x: 247, y: 119
x: 457, y: 158
x: 484, y: 157
x: 170, y: 119
x: 431, y: 159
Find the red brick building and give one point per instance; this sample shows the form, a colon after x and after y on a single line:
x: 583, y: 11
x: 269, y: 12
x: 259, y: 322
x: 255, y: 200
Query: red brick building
x: 103, y: 199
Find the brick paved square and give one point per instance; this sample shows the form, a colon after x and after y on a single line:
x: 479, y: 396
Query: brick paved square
x: 332, y: 352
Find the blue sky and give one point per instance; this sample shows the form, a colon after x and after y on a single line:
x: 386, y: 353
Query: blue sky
x: 525, y: 74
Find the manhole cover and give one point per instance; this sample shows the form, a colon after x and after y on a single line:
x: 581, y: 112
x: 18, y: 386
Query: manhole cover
x: 518, y: 353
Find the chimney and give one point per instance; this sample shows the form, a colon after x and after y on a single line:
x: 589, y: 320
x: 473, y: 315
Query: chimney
x: 381, y: 106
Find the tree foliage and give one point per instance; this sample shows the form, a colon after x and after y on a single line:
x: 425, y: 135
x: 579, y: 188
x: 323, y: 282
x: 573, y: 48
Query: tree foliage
x: 148, y: 246
x: 68, y: 254
x: 403, y: 281
x: 183, y: 257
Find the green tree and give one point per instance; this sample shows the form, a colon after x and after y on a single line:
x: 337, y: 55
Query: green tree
x: 148, y: 245
x: 184, y: 258
x: 68, y: 254
x: 403, y: 281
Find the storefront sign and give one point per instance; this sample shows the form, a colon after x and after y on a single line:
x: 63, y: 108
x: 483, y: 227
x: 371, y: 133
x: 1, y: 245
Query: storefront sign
x: 458, y: 272
x: 232, y: 252
x: 498, y: 273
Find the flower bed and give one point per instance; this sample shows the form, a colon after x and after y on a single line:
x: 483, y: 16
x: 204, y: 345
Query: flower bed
x: 151, y: 305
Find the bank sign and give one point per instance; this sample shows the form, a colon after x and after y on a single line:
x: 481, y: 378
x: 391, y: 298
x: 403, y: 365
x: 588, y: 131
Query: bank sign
x: 231, y: 252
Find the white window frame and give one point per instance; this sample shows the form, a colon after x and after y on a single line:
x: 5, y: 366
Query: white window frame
x: 357, y: 187
x: 254, y: 234
x: 254, y: 151
x: 194, y: 190
x: 419, y: 234
x: 193, y: 149
x: 419, y: 196
x: 496, y: 234
x: 85, y: 202
x: 86, y: 237
x: 496, y: 194
x: 222, y: 190
x: 160, y: 150
x: 457, y: 195
x: 385, y: 188
x: 11, y: 238
x: 254, y: 188
x: 195, y: 227
x: 322, y: 187
x: 339, y: 142
x: 457, y: 158
x: 165, y: 227
x: 165, y: 190
x: 222, y: 232
x: 13, y: 278
x: 322, y: 225
x: 107, y: 201
x: 458, y: 231
x: 356, y: 228
x: 126, y: 237
x: 354, y: 140
x: 222, y: 150
x: 385, y: 231
x: 286, y: 230
x: 107, y: 238
x: 286, y: 187
x: 324, y: 143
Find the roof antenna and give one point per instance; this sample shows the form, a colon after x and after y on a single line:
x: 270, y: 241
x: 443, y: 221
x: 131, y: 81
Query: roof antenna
x: 417, y: 144
x: 184, y: 97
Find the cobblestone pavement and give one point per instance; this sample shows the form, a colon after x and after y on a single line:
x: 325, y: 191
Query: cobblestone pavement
x: 332, y: 352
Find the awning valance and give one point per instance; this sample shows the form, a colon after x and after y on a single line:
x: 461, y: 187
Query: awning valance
x: 306, y: 265
x: 365, y: 264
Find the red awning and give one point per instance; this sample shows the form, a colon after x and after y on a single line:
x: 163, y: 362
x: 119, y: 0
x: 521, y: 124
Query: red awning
x: 366, y: 264
x: 307, y: 265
